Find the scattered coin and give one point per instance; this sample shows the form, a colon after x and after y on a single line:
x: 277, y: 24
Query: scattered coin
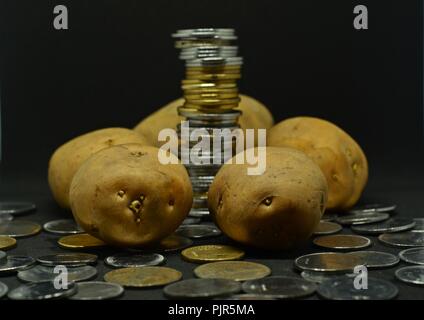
x: 342, y: 242
x: 19, y: 228
x: 124, y: 260
x: 169, y: 244
x: 211, y: 253
x: 374, y: 208
x: 342, y: 288
x: 250, y: 296
x: 143, y: 276
x: 3, y: 289
x: 419, y: 224
x: 196, y: 231
x: 97, y: 290
x: 42, y: 273
x: 232, y: 270
x: 68, y: 259
x: 42, y: 291
x: 15, y: 263
x: 319, y: 277
x: 325, y: 227
x: 191, y: 220
x: 2, y: 256
x: 7, y: 242
x: 5, y: 217
x: 376, y: 259
x: 14, y: 207
x: 201, y: 288
x: 413, y: 255
x: 413, y: 238
x: 388, y: 226
x: 280, y: 287
x: 362, y: 218
x: 80, y: 241
x: 63, y: 226
x: 411, y: 274
x: 327, y: 262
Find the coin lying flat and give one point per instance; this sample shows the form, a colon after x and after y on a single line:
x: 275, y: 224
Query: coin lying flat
x: 413, y: 255
x: 342, y: 242
x: 97, y: 290
x: 42, y: 291
x: 19, y: 228
x: 327, y: 262
x: 343, y: 288
x: 5, y: 217
x: 388, y: 226
x: 419, y: 224
x: 124, y: 260
x: 413, y: 238
x: 62, y: 226
x: 80, y: 241
x: 15, y: 263
x: 412, y: 274
x: 15, y: 207
x: 250, y: 296
x: 362, y: 218
x: 211, y: 253
x: 197, y: 231
x: 232, y: 270
x: 319, y: 277
x: 143, y: 276
x: 201, y: 288
x: 377, y: 207
x: 2, y: 256
x: 328, y: 217
x: 169, y: 244
x: 326, y: 227
x: 42, y: 273
x: 376, y: 259
x: 280, y: 287
x: 3, y: 289
x: 7, y: 242
x: 68, y: 259
x: 191, y: 221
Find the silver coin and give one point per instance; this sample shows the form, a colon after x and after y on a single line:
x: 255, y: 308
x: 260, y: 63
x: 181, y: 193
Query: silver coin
x: 19, y: 228
x: 5, y: 217
x: 3, y: 289
x: 329, y: 216
x: 319, y: 277
x: 327, y: 262
x: 191, y: 221
x: 124, y: 260
x: 201, y: 288
x: 326, y: 227
x: 280, y: 287
x: 97, y: 290
x: 362, y: 218
x: 42, y: 291
x: 250, y: 296
x: 68, y: 259
x: 15, y: 263
x: 376, y: 259
x: 413, y: 238
x: 16, y: 207
x: 413, y: 255
x: 63, y: 226
x: 411, y: 274
x: 343, y: 288
x: 3, y: 256
x: 374, y: 208
x: 197, y: 231
x: 388, y: 226
x: 196, y: 213
x: 419, y: 223
x: 42, y: 273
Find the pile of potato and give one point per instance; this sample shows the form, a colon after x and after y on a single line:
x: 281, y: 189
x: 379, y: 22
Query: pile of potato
x: 119, y: 192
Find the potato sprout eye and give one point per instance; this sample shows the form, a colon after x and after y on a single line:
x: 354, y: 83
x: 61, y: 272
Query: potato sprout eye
x: 268, y: 201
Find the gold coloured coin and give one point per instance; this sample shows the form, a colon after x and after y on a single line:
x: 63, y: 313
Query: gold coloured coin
x: 232, y: 270
x: 211, y: 253
x: 19, y: 228
x: 326, y: 227
x: 208, y: 95
x: 214, y: 76
x: 7, y: 242
x: 80, y: 241
x: 342, y: 242
x: 142, y: 277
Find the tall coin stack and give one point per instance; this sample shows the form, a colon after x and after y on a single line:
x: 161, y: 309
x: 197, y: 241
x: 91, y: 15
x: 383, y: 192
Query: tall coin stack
x: 211, y: 96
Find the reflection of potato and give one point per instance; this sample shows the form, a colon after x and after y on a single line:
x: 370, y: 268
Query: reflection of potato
x: 66, y: 160
x: 255, y: 115
x: 340, y: 158
x: 124, y: 196
x: 276, y: 210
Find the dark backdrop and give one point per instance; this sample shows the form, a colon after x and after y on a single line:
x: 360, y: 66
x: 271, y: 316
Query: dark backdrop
x: 116, y: 64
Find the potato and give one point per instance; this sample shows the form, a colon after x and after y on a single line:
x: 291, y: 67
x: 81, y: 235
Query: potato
x: 66, y: 160
x: 255, y: 115
x: 340, y: 158
x: 124, y: 196
x: 279, y: 209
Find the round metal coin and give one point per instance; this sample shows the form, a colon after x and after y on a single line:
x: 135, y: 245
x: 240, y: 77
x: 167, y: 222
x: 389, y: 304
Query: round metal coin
x: 377, y: 207
x: 191, y: 221
x: 3, y: 289
x: 80, y: 241
x: 7, y: 242
x: 68, y: 259
x: 327, y: 262
x: 201, y: 288
x: 15, y: 207
x: 42, y: 291
x: 319, y: 277
x: 250, y: 296
x: 62, y: 226
x: 326, y: 227
x: 342, y: 242
x: 196, y: 231
x: 97, y: 290
x: 124, y: 260
x: 42, y: 273
x: 232, y: 270
x: 15, y: 263
x: 412, y: 274
x: 413, y: 255
x: 212, y: 253
x: 19, y: 228
x: 362, y: 218
x: 376, y: 259
x: 413, y: 238
x: 388, y: 226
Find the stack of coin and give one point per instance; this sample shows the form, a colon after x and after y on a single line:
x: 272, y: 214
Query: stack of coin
x: 211, y: 95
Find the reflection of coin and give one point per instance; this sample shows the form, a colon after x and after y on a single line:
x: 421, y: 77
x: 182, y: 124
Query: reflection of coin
x: 211, y: 253
x: 319, y: 277
x: 4, y: 217
x: 413, y: 255
x: 68, y: 259
x: 97, y: 290
x: 233, y: 270
x: 15, y: 263
x: 19, y: 228
x: 7, y: 242
x: 42, y: 273
x: 201, y: 288
x: 143, y: 276
x: 62, y: 226
x: 79, y: 241
x: 376, y: 259
x: 413, y: 238
x: 42, y: 291
x: 362, y: 218
x: 342, y: 242
x: 412, y: 274
x: 327, y: 262
x: 125, y: 260
x: 326, y: 227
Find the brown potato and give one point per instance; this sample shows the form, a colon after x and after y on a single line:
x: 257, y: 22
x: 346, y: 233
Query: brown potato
x: 124, y: 196
x: 276, y: 210
x: 340, y: 158
x: 66, y: 160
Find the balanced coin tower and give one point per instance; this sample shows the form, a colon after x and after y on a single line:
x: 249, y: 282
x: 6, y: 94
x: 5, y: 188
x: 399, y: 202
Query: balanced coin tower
x: 211, y: 96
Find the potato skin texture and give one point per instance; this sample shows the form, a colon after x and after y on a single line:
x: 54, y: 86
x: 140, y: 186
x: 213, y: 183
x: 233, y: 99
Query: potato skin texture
x: 106, y: 187
x: 341, y: 159
x: 277, y: 210
x: 66, y: 159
